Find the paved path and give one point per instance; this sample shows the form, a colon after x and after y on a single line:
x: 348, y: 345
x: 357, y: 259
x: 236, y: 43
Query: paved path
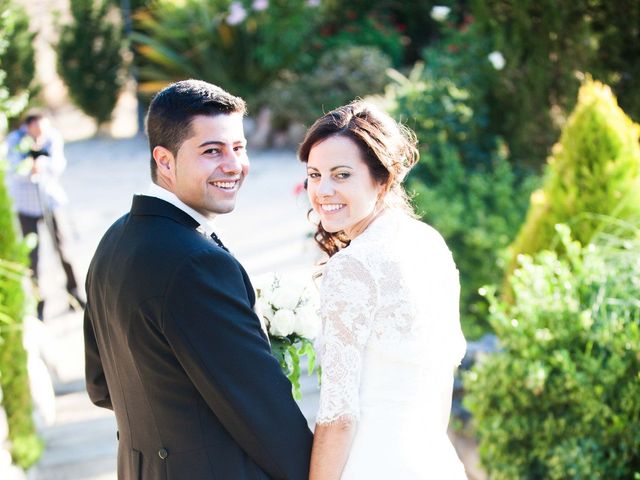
x: 268, y: 232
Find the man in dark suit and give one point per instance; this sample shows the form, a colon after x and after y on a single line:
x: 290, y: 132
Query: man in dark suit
x: 172, y: 343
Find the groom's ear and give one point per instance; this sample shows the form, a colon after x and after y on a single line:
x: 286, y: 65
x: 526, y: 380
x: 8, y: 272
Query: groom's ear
x: 165, y: 163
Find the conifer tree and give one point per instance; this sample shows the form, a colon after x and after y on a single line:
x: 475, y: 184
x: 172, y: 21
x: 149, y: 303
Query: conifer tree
x: 18, y: 59
x: 90, y: 58
x: 594, y: 171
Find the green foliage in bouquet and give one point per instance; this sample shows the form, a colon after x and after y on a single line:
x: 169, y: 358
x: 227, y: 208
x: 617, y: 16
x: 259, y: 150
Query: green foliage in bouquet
x: 26, y: 446
x: 289, y: 351
x: 559, y: 400
x: 90, y: 58
x: 594, y: 170
x: 18, y: 59
x: 340, y: 75
x: 289, y: 315
x: 227, y: 43
x: 464, y: 184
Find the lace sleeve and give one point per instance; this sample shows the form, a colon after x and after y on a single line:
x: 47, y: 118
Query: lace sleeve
x: 348, y: 301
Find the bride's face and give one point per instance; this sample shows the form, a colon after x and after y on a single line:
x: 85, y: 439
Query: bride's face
x: 340, y: 187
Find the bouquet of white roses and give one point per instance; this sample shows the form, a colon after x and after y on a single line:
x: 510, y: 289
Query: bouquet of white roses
x: 288, y: 309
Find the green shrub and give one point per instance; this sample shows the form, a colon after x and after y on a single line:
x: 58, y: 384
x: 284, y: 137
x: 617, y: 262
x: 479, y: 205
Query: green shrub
x: 560, y: 399
x: 18, y: 59
x: 464, y: 184
x: 339, y: 76
x: 344, y: 30
x: 546, y: 43
x: 200, y: 39
x: 26, y: 447
x: 594, y: 170
x: 90, y: 58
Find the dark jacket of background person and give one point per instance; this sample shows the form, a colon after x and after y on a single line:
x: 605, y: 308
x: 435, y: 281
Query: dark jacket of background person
x: 174, y: 348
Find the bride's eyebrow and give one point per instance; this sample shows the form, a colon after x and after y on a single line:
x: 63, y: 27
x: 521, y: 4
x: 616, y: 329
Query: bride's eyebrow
x: 332, y: 168
x: 341, y: 166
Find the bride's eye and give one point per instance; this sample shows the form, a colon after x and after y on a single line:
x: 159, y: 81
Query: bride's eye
x: 343, y: 175
x: 313, y: 175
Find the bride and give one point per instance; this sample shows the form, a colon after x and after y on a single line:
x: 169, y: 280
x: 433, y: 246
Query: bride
x: 389, y: 305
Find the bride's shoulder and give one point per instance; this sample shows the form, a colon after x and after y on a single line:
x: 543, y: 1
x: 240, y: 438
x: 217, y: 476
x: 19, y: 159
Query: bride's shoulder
x: 426, y: 234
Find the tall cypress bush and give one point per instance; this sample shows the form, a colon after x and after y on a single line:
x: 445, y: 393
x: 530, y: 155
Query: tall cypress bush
x: 594, y: 171
x: 18, y: 59
x: 26, y: 447
x: 90, y: 58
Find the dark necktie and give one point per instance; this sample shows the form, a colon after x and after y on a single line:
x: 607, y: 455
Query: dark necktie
x: 215, y: 238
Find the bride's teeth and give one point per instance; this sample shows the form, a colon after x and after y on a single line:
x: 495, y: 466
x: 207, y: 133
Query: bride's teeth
x: 332, y: 207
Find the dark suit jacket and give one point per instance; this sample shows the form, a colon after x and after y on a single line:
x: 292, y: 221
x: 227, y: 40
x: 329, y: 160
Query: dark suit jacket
x: 174, y: 348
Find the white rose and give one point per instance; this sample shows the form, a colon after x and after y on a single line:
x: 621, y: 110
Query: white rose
x: 307, y: 323
x: 282, y: 323
x: 263, y: 284
x: 286, y: 297
x: 497, y: 60
x: 440, y: 13
x: 263, y: 309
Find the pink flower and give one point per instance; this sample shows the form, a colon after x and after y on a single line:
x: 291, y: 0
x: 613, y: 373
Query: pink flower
x: 237, y: 13
x: 298, y: 189
x: 259, y: 5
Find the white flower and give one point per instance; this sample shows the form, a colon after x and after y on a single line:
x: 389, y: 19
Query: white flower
x: 259, y: 5
x: 282, y: 323
x: 497, y: 60
x: 307, y: 323
x: 313, y: 3
x: 440, y: 13
x: 263, y: 285
x: 263, y: 309
x: 237, y: 13
x: 286, y: 296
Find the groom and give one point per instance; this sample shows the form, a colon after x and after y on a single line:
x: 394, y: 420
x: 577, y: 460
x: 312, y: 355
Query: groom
x: 172, y: 343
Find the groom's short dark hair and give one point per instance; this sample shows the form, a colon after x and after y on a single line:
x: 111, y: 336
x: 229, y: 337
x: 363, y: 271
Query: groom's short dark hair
x: 168, y: 122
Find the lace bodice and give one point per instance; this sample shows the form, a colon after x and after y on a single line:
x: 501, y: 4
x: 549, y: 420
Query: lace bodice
x: 391, y: 332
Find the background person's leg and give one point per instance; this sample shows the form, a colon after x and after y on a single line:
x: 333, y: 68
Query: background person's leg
x: 60, y: 243
x: 28, y: 225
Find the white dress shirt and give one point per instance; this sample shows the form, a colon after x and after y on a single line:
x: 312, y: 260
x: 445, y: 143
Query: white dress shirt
x: 157, y: 191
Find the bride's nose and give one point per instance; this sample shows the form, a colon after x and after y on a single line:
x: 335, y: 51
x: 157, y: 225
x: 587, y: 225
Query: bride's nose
x: 325, y: 188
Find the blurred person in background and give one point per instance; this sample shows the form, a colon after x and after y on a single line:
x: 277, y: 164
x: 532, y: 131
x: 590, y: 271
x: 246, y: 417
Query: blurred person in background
x: 36, y: 161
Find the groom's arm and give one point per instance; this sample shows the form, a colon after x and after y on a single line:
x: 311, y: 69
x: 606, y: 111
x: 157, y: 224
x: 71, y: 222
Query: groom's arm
x: 94, y: 373
x: 217, y: 337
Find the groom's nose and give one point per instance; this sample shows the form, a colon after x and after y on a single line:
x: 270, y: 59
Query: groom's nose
x: 232, y: 163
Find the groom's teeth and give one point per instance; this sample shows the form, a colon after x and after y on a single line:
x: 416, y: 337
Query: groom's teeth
x: 224, y: 184
x: 332, y: 207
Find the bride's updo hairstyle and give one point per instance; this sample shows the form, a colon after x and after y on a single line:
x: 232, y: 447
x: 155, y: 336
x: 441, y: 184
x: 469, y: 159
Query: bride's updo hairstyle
x: 387, y: 147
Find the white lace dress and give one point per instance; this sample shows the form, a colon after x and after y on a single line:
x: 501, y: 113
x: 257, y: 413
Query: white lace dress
x: 391, y: 341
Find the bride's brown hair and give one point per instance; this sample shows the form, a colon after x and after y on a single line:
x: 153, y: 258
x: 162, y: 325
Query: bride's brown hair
x: 387, y: 147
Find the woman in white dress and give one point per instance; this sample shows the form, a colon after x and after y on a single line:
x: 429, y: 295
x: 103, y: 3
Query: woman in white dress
x: 389, y: 305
